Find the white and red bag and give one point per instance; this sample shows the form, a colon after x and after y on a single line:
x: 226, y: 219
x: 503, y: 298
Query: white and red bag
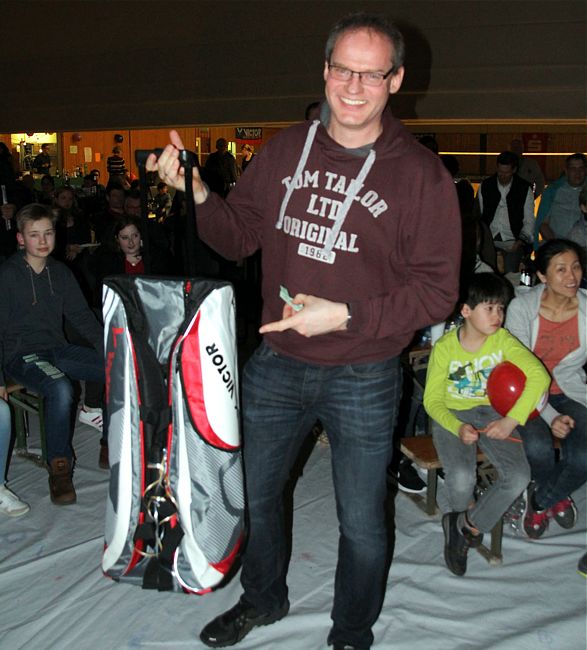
x: 175, y: 511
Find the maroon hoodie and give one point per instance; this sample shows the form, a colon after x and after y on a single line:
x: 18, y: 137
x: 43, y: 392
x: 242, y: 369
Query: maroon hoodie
x: 382, y: 233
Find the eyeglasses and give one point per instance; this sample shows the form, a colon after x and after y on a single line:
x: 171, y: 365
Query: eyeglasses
x: 367, y: 77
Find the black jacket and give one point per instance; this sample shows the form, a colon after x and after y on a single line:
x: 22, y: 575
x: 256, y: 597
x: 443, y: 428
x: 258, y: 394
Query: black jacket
x: 515, y: 199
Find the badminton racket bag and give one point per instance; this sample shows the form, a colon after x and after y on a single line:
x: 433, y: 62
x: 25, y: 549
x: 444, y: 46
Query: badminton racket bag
x: 174, y: 515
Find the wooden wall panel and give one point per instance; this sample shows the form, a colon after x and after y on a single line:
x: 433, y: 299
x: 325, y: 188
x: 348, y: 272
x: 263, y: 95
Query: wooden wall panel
x: 100, y: 142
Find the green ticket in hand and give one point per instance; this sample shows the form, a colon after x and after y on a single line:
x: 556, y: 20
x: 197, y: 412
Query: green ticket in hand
x: 284, y: 295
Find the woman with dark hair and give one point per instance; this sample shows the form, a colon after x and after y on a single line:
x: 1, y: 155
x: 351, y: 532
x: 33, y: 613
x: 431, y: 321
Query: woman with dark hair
x: 125, y: 254
x: 551, y: 320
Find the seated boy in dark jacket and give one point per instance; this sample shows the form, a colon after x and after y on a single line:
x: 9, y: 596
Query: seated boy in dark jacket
x: 38, y: 293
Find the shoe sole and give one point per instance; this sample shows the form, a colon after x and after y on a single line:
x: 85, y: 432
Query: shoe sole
x: 64, y: 503
x: 268, y: 620
x: 402, y: 488
x: 15, y: 513
x: 395, y: 481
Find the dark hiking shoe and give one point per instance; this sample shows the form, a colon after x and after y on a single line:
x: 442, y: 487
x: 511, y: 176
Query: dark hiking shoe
x: 455, y: 545
x: 408, y: 479
x: 232, y: 626
x: 60, y: 484
x: 342, y: 645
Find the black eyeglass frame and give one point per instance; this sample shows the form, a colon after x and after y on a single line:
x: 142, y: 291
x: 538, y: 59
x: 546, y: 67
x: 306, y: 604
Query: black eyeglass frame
x: 360, y: 74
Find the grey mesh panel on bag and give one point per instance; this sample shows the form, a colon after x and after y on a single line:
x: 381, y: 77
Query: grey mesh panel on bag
x: 202, y: 459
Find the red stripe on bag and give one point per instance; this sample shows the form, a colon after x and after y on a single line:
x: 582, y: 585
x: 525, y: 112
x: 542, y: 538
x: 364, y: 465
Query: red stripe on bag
x: 194, y: 388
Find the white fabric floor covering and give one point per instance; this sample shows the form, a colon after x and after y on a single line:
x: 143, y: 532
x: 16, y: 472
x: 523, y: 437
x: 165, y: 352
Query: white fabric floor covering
x: 53, y: 594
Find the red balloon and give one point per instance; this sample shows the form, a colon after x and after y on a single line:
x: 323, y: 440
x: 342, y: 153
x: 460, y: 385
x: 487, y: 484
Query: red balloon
x: 505, y: 384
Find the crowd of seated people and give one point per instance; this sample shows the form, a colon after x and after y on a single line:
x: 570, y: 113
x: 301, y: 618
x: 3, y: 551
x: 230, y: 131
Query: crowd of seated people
x: 99, y: 231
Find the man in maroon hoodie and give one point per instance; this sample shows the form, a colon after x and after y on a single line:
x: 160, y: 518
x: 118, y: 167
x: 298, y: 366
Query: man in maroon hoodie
x: 361, y: 224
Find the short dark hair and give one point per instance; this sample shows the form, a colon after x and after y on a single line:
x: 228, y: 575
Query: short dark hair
x: 576, y: 156
x: 554, y: 247
x: 161, y: 185
x: 33, y: 212
x: 123, y: 222
x: 508, y: 158
x: 373, y: 22
x: 488, y: 287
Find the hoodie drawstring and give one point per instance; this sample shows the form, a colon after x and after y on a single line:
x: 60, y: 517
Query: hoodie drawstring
x: 299, y: 169
x: 33, y: 282
x: 32, y: 285
x: 354, y: 187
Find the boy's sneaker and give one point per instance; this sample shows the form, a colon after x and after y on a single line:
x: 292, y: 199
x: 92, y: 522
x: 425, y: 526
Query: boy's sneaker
x: 455, y: 545
x: 408, y: 479
x: 92, y: 417
x: 10, y: 504
x: 564, y: 513
x: 535, y: 521
x: 232, y: 626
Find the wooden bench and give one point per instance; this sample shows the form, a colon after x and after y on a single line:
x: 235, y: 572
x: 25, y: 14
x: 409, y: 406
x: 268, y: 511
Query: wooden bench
x: 421, y: 451
x: 23, y: 403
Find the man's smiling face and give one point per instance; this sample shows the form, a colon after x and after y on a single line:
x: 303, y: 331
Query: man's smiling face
x: 356, y: 108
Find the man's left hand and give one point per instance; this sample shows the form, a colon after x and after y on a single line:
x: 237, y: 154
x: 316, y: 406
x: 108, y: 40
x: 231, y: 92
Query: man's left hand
x: 318, y: 316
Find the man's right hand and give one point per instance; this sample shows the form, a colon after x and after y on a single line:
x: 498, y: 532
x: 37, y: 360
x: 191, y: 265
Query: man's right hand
x: 3, y: 393
x: 170, y: 171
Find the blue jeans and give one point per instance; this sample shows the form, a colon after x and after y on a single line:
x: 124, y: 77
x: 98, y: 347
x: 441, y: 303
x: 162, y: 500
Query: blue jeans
x: 4, y: 438
x: 357, y: 405
x: 49, y: 373
x: 460, y: 467
x: 557, y: 480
